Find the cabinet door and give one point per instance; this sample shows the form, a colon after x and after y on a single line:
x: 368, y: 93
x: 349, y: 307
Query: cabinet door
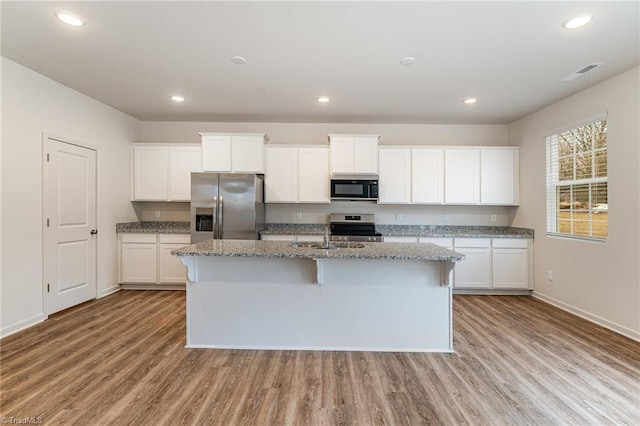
x: 475, y: 270
x: 395, y: 176
x: 183, y: 161
x: 313, y: 175
x: 341, y: 154
x: 150, y: 172
x: 499, y: 176
x: 510, y: 268
x: 281, y: 177
x: 247, y: 153
x: 170, y: 267
x: 139, y: 263
x: 365, y: 154
x: 427, y: 176
x: 216, y: 153
x: 462, y: 176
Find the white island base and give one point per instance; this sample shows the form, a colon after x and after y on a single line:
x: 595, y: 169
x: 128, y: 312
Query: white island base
x: 319, y: 304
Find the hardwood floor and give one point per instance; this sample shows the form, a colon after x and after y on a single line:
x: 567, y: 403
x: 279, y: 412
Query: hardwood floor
x: 122, y: 360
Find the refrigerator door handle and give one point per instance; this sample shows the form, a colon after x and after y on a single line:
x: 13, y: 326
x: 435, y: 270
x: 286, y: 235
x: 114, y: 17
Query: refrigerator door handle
x: 215, y: 217
x: 220, y: 216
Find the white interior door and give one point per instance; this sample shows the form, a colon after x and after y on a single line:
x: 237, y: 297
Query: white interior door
x: 70, y: 225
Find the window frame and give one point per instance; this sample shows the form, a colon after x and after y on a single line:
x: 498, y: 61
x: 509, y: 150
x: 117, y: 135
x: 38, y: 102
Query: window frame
x: 553, y: 182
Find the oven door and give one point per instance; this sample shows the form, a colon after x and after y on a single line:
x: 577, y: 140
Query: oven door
x: 354, y: 189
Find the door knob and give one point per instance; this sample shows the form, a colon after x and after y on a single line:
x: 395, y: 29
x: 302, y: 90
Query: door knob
x: 94, y: 231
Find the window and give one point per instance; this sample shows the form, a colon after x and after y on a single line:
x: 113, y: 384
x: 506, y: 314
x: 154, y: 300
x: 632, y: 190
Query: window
x: 577, y: 204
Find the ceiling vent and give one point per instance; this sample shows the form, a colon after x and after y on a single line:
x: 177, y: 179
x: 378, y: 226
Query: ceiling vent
x: 582, y: 71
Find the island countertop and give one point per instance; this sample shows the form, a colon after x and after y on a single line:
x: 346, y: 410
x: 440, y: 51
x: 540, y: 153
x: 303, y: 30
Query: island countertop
x: 283, y: 249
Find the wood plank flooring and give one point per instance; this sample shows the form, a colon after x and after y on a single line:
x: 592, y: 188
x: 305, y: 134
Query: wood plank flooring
x: 121, y: 360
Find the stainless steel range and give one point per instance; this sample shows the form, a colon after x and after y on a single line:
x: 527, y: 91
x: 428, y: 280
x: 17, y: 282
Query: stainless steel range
x: 353, y: 227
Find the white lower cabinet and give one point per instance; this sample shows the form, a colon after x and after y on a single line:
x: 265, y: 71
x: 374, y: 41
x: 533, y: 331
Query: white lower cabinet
x: 292, y: 237
x: 475, y: 270
x: 400, y: 239
x: 138, y: 256
x: 147, y: 259
x: 511, y: 264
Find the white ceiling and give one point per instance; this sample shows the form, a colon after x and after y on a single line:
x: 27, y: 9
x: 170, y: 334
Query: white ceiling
x: 510, y: 55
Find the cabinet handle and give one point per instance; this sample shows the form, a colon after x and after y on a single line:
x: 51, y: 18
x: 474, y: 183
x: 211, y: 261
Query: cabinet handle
x: 94, y: 232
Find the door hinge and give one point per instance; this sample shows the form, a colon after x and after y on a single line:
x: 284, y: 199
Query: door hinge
x: 48, y: 288
x: 47, y: 157
x: 47, y: 222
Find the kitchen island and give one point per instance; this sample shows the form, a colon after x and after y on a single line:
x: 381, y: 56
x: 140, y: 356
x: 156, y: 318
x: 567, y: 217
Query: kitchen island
x: 270, y: 295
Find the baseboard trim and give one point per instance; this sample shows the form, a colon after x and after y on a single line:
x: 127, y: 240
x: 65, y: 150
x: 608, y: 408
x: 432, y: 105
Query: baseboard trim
x: 154, y: 286
x: 620, y: 329
x: 108, y: 291
x: 29, y: 322
x: 492, y: 292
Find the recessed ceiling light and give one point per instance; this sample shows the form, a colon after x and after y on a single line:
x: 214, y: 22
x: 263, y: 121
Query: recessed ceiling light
x: 70, y: 19
x: 177, y: 98
x: 323, y: 99
x: 238, y: 60
x: 407, y: 60
x: 576, y: 22
x: 470, y: 101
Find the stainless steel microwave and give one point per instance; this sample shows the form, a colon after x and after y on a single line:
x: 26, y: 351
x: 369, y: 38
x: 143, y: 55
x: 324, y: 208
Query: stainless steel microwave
x: 354, y: 189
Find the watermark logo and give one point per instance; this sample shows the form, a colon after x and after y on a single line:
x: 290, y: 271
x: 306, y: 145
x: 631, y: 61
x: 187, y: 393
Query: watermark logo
x: 22, y: 420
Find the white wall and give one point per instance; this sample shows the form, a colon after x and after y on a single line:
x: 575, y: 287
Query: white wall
x: 309, y: 133
x: 599, y: 281
x: 33, y: 104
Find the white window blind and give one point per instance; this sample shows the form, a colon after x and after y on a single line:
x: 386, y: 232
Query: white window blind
x: 577, y: 191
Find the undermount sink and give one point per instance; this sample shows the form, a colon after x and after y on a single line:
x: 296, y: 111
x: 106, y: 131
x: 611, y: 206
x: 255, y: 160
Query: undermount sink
x: 323, y: 246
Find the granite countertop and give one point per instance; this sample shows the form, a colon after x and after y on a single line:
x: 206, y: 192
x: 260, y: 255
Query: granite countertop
x: 282, y: 249
x: 320, y: 229
x: 458, y: 231
x: 295, y: 229
x: 409, y: 230
x: 153, y: 228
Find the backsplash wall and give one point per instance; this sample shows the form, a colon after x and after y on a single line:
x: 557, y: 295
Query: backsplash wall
x: 319, y: 213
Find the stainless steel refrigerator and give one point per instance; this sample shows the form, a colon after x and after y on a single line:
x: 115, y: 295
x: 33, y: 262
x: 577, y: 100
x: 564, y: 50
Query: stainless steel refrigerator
x: 226, y: 206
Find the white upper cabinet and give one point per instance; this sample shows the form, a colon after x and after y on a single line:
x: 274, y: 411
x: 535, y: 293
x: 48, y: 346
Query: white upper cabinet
x: 462, y: 176
x: 354, y: 154
x: 499, y: 176
x: 233, y: 153
x: 427, y: 176
x: 394, y: 180
x: 162, y: 172
x: 183, y: 160
x: 313, y: 174
x: 297, y: 174
x: 281, y: 176
x: 150, y: 172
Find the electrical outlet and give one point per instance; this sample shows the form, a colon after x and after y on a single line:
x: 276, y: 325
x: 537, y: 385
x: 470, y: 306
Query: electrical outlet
x: 445, y: 217
x: 549, y: 275
x: 298, y: 215
x: 493, y: 218
x: 399, y: 217
x: 157, y: 213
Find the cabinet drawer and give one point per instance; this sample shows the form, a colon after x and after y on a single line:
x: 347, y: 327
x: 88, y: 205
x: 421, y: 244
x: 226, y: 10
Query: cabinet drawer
x: 400, y: 239
x: 442, y: 242
x: 139, y: 238
x: 473, y: 242
x: 278, y: 237
x: 510, y: 243
x: 174, y: 238
x: 316, y: 238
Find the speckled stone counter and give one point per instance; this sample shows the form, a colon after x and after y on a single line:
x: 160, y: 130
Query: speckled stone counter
x: 454, y: 231
x: 295, y: 229
x: 282, y: 249
x: 153, y: 228
x: 408, y: 230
